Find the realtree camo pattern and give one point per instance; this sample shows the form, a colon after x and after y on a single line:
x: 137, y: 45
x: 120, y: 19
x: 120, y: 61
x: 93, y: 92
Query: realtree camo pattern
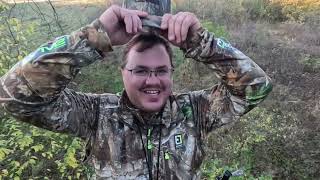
x: 34, y: 91
x: 153, y: 7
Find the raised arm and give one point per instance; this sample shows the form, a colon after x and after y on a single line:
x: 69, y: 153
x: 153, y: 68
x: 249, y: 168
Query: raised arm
x: 243, y: 84
x: 34, y: 90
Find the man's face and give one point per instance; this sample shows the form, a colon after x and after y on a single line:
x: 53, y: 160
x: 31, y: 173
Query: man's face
x: 148, y: 93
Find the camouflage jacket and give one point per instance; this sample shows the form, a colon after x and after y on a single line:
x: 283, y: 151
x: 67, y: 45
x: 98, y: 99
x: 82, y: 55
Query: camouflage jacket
x: 121, y: 143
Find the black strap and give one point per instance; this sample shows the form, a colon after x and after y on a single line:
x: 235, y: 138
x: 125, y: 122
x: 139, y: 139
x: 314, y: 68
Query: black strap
x: 158, y: 161
x: 148, y: 152
x: 146, y: 155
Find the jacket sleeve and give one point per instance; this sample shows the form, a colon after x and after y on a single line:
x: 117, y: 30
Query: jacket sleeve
x: 243, y: 84
x: 34, y: 90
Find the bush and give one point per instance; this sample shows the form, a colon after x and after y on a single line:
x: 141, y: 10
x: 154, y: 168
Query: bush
x: 236, y: 12
x: 219, y: 31
x: 27, y: 151
x: 311, y: 64
x: 100, y: 77
x: 14, y: 40
x: 297, y: 10
x: 258, y: 144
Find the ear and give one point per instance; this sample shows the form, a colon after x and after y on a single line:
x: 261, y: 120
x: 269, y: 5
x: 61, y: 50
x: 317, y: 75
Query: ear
x: 122, y: 71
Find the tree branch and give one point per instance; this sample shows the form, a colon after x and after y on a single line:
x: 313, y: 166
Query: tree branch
x: 41, y: 14
x: 56, y: 16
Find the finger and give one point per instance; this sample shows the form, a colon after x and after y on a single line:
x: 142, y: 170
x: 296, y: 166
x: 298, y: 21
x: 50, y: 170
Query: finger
x: 171, y: 21
x: 177, y: 26
x: 139, y: 24
x: 185, y: 27
x: 164, y: 21
x: 128, y: 23
x: 140, y: 13
x: 135, y: 24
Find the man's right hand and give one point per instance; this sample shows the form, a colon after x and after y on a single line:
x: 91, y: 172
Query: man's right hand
x: 121, y: 24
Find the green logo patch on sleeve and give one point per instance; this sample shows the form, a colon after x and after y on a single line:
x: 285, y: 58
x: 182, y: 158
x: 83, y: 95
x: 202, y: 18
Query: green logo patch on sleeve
x: 57, y: 44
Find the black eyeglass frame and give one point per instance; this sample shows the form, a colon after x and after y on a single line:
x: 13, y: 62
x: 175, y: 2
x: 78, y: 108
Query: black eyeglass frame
x: 150, y: 71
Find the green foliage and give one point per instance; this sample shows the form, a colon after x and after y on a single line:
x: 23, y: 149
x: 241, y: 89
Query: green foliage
x: 263, y: 143
x: 263, y: 10
x: 178, y: 57
x: 27, y: 151
x: 213, y: 168
x: 256, y: 9
x: 239, y: 11
x: 14, y: 40
x: 219, y: 31
x: 252, y: 142
x: 100, y: 78
x: 281, y: 10
x: 297, y: 10
x: 310, y: 63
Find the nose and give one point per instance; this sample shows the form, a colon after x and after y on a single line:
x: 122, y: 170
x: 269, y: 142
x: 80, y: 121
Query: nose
x: 152, y: 79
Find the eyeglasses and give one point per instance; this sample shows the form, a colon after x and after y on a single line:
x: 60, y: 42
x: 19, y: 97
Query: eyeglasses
x: 145, y: 72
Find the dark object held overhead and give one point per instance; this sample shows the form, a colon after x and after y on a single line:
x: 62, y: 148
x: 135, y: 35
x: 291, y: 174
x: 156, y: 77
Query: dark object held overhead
x: 153, y: 7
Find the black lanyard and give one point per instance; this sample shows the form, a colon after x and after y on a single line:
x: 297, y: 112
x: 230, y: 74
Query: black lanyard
x: 148, y: 151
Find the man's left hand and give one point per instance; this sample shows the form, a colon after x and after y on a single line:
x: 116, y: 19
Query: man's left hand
x: 180, y: 26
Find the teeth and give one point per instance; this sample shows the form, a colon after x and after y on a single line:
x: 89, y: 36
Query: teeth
x: 152, y: 92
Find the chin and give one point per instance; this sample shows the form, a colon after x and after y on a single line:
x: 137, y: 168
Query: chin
x: 152, y: 107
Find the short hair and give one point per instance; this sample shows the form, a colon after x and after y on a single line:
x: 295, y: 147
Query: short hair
x: 144, y: 41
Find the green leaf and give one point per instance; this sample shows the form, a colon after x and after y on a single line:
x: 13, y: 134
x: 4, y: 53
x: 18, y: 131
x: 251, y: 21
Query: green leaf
x: 49, y: 155
x: 78, y: 175
x: 71, y: 161
x: 32, y: 161
x: 15, y: 163
x: 37, y: 148
x: 34, y: 157
x: 4, y: 152
x: 25, y: 141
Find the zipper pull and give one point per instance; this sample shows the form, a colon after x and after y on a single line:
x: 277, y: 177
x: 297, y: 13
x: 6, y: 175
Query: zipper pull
x: 166, y: 156
x: 149, y: 140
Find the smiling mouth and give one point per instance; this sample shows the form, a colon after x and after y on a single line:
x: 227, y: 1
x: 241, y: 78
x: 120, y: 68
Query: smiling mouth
x: 152, y: 92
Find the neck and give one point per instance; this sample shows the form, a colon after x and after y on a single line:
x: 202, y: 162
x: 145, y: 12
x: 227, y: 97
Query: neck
x: 148, y: 115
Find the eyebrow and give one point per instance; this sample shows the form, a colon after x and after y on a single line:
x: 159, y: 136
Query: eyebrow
x: 145, y: 67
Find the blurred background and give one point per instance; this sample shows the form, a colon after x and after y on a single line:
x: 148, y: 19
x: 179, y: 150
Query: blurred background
x: 278, y: 140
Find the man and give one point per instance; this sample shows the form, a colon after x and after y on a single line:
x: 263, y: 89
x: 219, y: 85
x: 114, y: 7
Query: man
x: 147, y: 132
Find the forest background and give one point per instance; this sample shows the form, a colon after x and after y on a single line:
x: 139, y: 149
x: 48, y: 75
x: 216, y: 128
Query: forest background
x: 278, y: 140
